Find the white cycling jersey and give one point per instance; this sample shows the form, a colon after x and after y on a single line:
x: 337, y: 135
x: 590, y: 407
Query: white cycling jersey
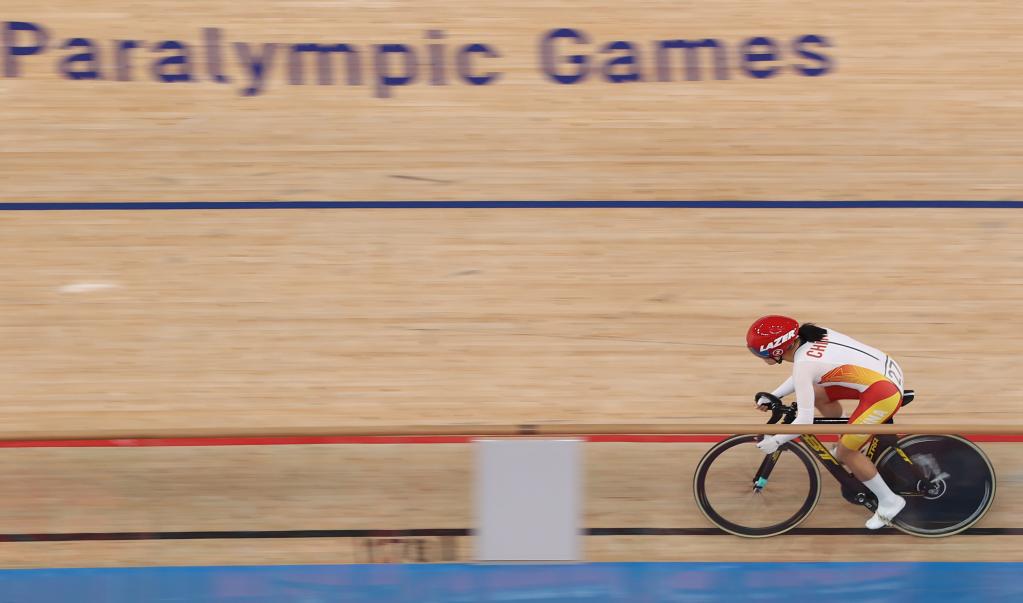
x: 837, y: 360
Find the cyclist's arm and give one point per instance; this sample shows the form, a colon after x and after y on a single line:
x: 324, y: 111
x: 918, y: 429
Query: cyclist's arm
x: 784, y: 389
x: 802, y: 384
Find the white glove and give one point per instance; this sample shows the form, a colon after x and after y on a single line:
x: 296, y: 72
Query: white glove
x: 763, y: 401
x: 768, y: 445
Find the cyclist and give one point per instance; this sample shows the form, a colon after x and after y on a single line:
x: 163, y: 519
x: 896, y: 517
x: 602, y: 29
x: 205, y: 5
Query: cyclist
x: 828, y: 366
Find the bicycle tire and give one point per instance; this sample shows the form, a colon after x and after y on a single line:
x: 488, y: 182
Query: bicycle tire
x: 790, y: 449
x: 967, y: 492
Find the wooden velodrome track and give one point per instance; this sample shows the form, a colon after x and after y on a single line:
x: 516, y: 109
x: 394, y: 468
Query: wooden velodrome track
x: 186, y: 319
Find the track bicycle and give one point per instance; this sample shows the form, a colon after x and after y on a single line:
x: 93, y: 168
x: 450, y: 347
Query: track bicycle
x: 947, y: 481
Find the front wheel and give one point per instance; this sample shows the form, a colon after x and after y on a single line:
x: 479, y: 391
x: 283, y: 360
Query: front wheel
x: 948, y: 483
x: 734, y: 495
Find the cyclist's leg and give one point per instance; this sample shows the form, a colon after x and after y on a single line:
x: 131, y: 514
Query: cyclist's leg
x: 826, y: 399
x: 878, y: 402
x: 827, y: 406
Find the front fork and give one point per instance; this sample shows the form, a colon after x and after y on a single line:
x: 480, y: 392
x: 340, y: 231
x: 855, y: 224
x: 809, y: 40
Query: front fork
x: 764, y: 471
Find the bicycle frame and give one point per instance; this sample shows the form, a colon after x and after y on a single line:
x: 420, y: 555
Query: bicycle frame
x: 853, y: 489
x: 921, y: 468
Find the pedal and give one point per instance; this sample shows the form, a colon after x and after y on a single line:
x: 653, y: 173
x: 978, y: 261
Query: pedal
x: 858, y: 498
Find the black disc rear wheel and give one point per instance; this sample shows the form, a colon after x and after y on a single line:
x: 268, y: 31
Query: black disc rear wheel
x: 951, y: 487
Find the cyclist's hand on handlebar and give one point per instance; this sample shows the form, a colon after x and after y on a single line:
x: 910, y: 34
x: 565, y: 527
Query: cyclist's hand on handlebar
x: 768, y: 445
x: 764, y: 400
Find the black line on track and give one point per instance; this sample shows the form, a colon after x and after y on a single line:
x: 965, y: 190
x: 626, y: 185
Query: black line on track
x: 427, y: 532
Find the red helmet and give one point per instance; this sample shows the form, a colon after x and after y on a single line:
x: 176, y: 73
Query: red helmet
x: 771, y: 336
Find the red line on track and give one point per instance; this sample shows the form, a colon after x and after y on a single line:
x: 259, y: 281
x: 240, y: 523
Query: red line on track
x: 293, y: 441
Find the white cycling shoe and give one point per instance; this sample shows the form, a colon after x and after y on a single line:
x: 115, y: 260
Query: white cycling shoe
x: 886, y: 513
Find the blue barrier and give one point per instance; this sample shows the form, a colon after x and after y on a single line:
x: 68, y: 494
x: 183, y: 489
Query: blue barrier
x: 464, y: 583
